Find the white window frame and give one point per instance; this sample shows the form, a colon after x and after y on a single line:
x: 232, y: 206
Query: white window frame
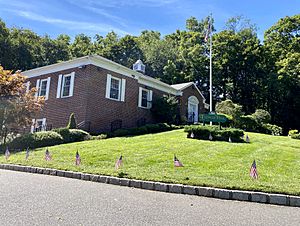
x: 149, y: 98
x: 38, y: 87
x: 61, y: 82
x: 122, y: 85
x: 34, y: 124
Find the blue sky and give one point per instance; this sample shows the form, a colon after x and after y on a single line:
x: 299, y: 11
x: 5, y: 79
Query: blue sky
x: 133, y: 16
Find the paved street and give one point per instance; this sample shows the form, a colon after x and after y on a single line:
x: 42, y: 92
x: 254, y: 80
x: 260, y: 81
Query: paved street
x: 33, y: 199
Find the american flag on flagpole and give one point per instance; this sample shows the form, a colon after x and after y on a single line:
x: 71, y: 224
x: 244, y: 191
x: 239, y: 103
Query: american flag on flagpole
x: 177, y: 163
x: 77, y: 159
x: 47, y: 155
x: 27, y: 153
x: 119, y: 162
x: 208, y: 30
x: 7, y: 154
x: 253, y: 171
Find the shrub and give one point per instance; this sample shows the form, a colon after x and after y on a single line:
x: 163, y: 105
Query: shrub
x: 262, y: 116
x: 36, y: 140
x: 99, y: 137
x: 293, y: 132
x: 64, y: 132
x: 149, y: 128
x: 203, y: 132
x: 296, y: 136
x: 165, y: 109
x: 271, y: 129
x: 72, y: 122
x: 79, y: 135
x: 248, y: 123
x: 72, y: 135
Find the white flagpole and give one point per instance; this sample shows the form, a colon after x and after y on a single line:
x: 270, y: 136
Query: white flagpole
x: 210, y: 67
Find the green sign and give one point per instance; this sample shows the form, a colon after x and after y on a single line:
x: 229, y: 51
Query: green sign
x: 212, y: 118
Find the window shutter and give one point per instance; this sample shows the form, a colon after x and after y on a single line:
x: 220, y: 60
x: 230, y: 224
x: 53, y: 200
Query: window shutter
x: 150, y: 99
x: 37, y: 86
x: 59, y: 86
x: 32, y: 126
x: 27, y: 86
x: 48, y: 88
x: 44, y: 124
x: 72, y: 84
x: 140, y: 96
x: 108, y: 82
x: 123, y: 90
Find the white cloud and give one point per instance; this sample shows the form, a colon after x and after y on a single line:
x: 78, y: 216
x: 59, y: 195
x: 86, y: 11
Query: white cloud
x: 69, y: 24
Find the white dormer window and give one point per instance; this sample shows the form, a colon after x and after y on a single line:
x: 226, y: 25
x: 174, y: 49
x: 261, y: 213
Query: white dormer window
x: 65, y: 85
x: 145, y: 98
x: 115, y: 88
x: 43, y: 87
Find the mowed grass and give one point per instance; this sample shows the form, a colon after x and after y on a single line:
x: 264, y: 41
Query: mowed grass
x: 206, y: 163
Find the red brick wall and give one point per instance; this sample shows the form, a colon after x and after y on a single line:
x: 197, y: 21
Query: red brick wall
x: 57, y: 110
x: 190, y: 91
x: 89, y: 103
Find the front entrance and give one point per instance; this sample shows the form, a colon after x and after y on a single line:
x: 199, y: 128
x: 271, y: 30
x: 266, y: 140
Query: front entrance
x: 193, y: 109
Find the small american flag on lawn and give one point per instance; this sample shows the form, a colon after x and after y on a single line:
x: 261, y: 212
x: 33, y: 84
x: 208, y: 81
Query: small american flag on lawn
x: 177, y: 163
x: 27, y: 153
x: 253, y: 171
x: 7, y: 154
x: 247, y: 139
x: 47, y: 155
x: 119, y: 162
x: 77, y: 159
x: 192, y: 135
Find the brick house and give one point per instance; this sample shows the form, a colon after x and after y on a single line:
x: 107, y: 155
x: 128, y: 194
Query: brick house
x: 104, y: 95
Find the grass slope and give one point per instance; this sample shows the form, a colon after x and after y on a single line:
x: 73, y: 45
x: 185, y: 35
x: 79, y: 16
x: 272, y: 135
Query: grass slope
x: 206, y: 163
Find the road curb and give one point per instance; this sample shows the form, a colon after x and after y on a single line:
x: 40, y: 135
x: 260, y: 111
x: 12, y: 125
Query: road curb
x: 259, y: 197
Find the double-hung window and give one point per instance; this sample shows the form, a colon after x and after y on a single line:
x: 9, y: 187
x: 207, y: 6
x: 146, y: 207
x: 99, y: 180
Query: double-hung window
x: 145, y: 98
x: 115, y: 88
x: 65, y: 85
x: 43, y: 87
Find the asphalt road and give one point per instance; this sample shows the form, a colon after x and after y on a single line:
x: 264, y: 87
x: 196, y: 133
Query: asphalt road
x: 33, y: 199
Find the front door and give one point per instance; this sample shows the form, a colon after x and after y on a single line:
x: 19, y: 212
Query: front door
x: 193, y: 109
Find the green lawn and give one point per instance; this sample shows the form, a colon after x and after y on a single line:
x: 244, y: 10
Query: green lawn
x: 206, y: 163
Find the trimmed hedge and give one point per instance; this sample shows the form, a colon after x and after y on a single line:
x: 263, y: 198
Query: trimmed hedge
x: 72, y: 135
x: 203, y: 132
x: 270, y: 129
x: 296, y: 136
x: 149, y: 128
x: 36, y: 140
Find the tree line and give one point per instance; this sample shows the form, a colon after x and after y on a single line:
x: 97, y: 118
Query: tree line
x: 256, y: 75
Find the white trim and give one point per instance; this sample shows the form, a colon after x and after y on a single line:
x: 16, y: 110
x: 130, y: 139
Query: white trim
x: 188, y: 84
x: 59, y: 86
x: 108, y: 87
x: 106, y: 64
x: 72, y: 76
x: 123, y: 85
x: 37, y: 87
x: 32, y: 126
x: 47, y: 88
x: 193, y: 101
x: 149, y: 98
x: 72, y: 84
x: 108, y: 81
x: 27, y: 85
x: 44, y: 124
